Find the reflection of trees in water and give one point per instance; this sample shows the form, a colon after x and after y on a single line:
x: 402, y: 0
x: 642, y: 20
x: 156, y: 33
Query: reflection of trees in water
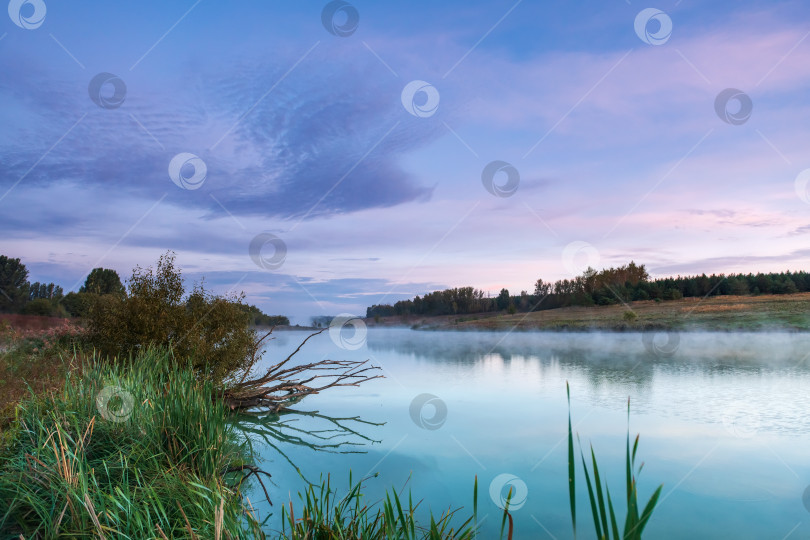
x: 710, y: 378
x: 606, y: 358
x: 339, y: 435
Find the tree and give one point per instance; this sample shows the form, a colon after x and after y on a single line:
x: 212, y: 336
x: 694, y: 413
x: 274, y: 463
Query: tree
x: 503, y: 299
x: 321, y: 321
x: 259, y: 318
x: 541, y: 288
x: 737, y: 286
x: 787, y: 287
x: 78, y: 304
x: 672, y: 294
x: 103, y: 281
x: 47, y: 291
x: 13, y: 284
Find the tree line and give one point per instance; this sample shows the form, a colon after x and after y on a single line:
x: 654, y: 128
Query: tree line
x: 19, y: 295
x: 627, y: 283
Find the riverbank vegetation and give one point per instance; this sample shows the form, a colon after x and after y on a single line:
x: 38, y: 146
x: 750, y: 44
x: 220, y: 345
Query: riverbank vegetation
x: 20, y: 296
x: 610, y: 286
x: 716, y: 313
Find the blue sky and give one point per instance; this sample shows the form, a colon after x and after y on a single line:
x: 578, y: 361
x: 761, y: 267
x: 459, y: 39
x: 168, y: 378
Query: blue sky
x: 618, y: 145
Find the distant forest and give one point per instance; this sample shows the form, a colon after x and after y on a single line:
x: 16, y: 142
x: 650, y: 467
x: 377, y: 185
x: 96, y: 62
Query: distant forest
x: 609, y: 286
x: 19, y: 295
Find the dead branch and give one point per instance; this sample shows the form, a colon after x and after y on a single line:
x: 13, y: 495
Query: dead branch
x: 281, y: 385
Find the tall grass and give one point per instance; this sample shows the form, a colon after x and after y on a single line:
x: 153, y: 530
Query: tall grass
x: 325, y: 515
x: 67, y: 471
x: 602, y: 504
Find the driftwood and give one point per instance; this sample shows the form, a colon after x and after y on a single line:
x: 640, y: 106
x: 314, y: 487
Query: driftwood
x: 282, y: 386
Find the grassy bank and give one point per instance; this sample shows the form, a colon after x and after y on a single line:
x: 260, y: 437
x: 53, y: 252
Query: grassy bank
x: 718, y: 313
x: 131, y: 450
x: 139, y: 449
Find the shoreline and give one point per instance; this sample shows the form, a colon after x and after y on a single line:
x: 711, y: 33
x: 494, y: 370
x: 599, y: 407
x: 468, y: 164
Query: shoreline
x: 763, y: 313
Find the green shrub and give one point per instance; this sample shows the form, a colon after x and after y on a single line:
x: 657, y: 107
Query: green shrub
x: 39, y: 306
x: 630, y: 316
x: 209, y: 332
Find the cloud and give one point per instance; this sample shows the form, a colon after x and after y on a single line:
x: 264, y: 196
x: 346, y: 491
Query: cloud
x: 794, y: 260
x: 325, y: 139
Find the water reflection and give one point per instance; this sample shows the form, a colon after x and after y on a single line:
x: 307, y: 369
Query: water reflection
x: 308, y: 429
x: 712, y: 376
x: 705, y: 350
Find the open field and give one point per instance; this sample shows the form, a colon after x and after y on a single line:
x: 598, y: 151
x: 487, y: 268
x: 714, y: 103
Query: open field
x: 721, y: 313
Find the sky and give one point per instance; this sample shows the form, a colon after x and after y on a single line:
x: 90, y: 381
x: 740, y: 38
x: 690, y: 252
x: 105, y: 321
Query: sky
x: 323, y: 157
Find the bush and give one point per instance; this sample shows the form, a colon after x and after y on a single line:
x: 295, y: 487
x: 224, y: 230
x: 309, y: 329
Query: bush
x: 630, y: 316
x: 210, y: 333
x: 39, y: 306
x: 672, y: 294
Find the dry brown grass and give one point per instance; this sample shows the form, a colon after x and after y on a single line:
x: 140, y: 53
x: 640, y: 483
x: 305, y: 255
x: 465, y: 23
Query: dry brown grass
x: 33, y: 357
x: 29, y: 322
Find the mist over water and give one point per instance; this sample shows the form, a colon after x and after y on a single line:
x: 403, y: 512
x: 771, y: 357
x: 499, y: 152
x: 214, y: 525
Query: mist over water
x: 722, y: 418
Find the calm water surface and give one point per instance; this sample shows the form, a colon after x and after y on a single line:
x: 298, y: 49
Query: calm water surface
x: 724, y: 426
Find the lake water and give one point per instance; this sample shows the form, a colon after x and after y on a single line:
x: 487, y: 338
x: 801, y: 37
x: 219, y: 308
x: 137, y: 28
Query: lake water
x: 724, y: 420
